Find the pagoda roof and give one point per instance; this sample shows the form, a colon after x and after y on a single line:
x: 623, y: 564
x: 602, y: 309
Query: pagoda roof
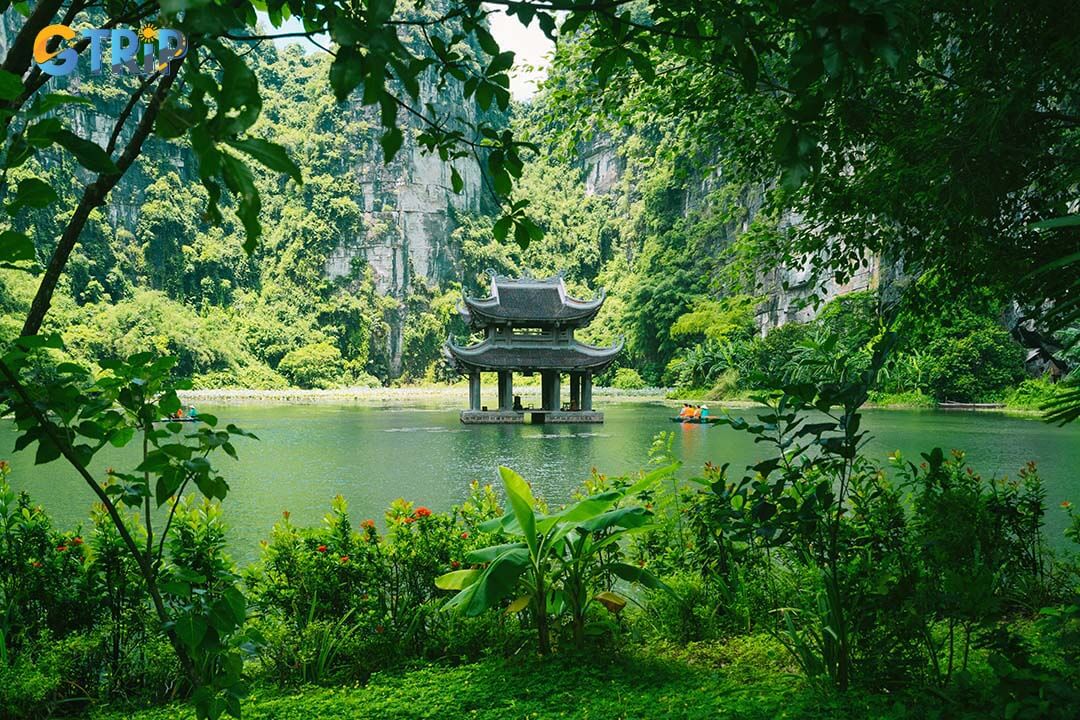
x: 529, y: 301
x: 489, y: 356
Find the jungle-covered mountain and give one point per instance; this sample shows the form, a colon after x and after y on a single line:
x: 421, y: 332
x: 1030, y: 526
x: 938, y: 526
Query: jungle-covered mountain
x: 362, y: 265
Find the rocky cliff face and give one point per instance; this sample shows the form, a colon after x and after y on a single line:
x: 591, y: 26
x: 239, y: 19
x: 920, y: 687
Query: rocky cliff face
x: 788, y: 290
x: 409, y: 214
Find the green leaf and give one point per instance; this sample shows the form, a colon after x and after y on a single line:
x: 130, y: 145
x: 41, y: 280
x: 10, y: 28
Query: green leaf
x: 458, y: 579
x: 32, y: 192
x: 502, y: 227
x: 522, y: 503
x: 15, y: 246
x: 497, y: 581
x: 122, y: 436
x: 346, y: 72
x: 391, y: 143
x: 88, y: 154
x: 1058, y: 222
x: 190, y: 630
x: 455, y: 180
x: 11, y: 86
x: 241, y: 184
x: 270, y: 155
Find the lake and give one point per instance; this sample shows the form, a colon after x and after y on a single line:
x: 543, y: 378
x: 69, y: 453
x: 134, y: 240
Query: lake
x: 308, y: 453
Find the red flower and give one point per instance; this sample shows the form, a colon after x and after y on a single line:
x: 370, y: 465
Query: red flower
x: 421, y: 512
x: 408, y: 520
x: 61, y: 548
x: 37, y: 563
x: 368, y: 524
x: 344, y: 559
x: 321, y: 548
x: 285, y: 514
x: 454, y: 564
x: 464, y: 536
x: 1066, y: 504
x: 76, y: 540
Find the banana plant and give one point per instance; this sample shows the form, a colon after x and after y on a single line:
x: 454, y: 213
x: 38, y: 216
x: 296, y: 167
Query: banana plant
x: 559, y: 560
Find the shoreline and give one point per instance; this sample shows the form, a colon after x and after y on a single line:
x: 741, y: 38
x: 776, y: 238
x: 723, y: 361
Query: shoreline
x: 457, y: 395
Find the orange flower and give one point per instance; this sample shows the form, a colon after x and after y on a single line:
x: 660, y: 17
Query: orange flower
x: 368, y: 524
x: 37, y: 563
x: 61, y: 548
x: 454, y: 564
x: 344, y: 559
x: 321, y: 548
x: 422, y: 512
x: 76, y: 540
x: 1066, y: 504
x: 465, y: 536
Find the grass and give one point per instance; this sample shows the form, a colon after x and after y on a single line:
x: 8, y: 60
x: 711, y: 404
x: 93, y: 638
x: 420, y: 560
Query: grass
x: 747, y: 677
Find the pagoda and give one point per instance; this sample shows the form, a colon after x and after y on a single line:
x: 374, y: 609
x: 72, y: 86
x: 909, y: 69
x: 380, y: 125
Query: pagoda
x: 528, y: 326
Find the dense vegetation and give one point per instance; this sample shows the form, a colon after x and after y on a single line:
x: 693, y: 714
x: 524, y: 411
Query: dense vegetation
x: 674, y: 586
x: 757, y: 143
x: 684, y: 283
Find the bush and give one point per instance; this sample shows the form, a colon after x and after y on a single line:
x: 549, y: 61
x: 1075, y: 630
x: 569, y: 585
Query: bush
x: 627, y: 379
x: 978, y: 365
x: 313, y: 366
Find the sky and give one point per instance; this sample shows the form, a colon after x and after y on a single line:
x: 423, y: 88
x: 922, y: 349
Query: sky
x: 529, y: 44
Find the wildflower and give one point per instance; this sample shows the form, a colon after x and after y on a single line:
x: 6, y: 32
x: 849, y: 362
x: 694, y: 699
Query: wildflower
x: 421, y: 512
x: 454, y: 564
x: 321, y: 548
x: 285, y: 514
x: 1066, y: 504
x: 465, y: 535
x: 76, y: 540
x: 408, y: 520
x: 37, y: 563
x: 344, y: 559
x: 61, y: 548
x: 368, y: 524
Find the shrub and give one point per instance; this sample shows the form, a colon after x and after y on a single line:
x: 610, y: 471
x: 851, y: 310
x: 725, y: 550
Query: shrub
x: 313, y: 366
x: 627, y: 379
x: 978, y: 365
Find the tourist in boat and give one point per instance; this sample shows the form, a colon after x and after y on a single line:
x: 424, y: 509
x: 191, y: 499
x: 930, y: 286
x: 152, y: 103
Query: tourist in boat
x: 192, y: 412
x: 704, y: 412
x: 686, y: 411
x: 697, y: 412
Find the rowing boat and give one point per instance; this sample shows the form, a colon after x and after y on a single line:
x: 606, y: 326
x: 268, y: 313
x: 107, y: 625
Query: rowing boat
x: 696, y: 421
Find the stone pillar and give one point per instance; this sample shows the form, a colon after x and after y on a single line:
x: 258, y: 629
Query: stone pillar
x: 474, y: 390
x: 586, y: 390
x: 506, y: 390
x: 546, y: 381
x: 556, y: 390
x: 575, y: 390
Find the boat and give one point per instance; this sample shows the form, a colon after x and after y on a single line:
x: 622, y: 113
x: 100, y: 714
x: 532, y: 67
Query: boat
x: 696, y: 421
x: 947, y: 405
x: 178, y: 419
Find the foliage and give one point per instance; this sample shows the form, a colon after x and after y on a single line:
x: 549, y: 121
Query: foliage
x: 627, y: 379
x: 312, y: 366
x: 564, y: 562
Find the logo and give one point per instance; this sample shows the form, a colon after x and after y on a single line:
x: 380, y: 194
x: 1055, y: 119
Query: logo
x: 141, y: 52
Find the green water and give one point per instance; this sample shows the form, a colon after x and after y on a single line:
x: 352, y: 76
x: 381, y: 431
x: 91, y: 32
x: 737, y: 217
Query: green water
x: 307, y: 454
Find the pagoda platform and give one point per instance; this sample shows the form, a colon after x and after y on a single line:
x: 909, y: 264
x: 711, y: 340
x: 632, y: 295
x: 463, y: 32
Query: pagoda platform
x: 535, y: 417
